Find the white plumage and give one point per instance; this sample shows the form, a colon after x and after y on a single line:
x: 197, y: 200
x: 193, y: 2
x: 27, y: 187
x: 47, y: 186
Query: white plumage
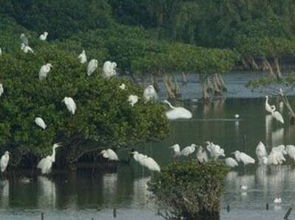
x: 133, y: 99
x: 44, y: 70
x: 276, y: 115
x: 109, y: 154
x: 231, y: 162
x: 261, y: 152
x: 26, y: 48
x: 150, y: 93
x: 4, y: 161
x: 109, y: 69
x: 92, y: 66
x: 24, y: 39
x: 1, y: 89
x: 176, y: 150
x: 276, y: 156
x: 215, y: 150
x: 40, y: 122
x: 43, y: 36
x: 122, y: 86
x: 291, y: 151
x: 267, y: 105
x: 46, y: 163
x: 0, y: 52
x: 82, y: 57
x: 177, y: 112
x: 146, y: 161
x: 188, y: 150
x: 70, y: 104
x: 244, y: 158
x: 202, y: 156
x: 277, y: 200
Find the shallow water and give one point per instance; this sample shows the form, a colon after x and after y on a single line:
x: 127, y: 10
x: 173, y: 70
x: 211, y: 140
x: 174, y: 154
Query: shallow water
x: 88, y: 194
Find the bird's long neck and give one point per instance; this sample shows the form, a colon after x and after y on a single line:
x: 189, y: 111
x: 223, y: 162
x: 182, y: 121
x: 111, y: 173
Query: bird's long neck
x: 168, y: 103
x: 53, y: 154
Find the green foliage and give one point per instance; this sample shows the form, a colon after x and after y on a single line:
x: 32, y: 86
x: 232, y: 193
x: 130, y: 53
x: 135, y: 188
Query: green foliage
x: 103, y: 118
x: 189, y: 189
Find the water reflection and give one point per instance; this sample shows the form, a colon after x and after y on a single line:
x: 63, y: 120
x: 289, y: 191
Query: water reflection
x: 46, y: 192
x: 4, y: 192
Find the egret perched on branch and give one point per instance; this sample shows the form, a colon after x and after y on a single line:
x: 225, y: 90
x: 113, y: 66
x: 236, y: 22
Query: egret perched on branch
x: 82, y: 57
x: 92, y: 66
x: 244, y: 158
x: 44, y: 70
x: 149, y: 93
x: 277, y: 115
x: 26, y: 48
x: 1, y: 89
x: 177, y: 112
x: 24, y: 39
x: 176, y: 149
x: 43, y: 36
x: 231, y: 162
x: 109, y: 154
x: 4, y: 161
x: 188, y: 150
x: 261, y: 152
x: 215, y: 150
x: 109, y: 69
x: 46, y: 163
x: 202, y: 156
x: 70, y: 103
x: 122, y: 86
x: 133, y: 99
x: 267, y: 105
x: 146, y: 161
x: 40, y: 122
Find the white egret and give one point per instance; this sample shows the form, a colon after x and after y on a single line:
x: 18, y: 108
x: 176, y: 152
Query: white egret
x: 177, y: 112
x: 188, y: 150
x: 109, y: 69
x: 267, y: 105
x: 44, y: 70
x: 109, y: 154
x: 26, y: 48
x: 4, y: 161
x: 70, y: 104
x: 150, y: 93
x: 215, y: 150
x: 231, y: 162
x: 277, y: 200
x: 237, y: 116
x: 1, y: 89
x: 244, y: 158
x: 277, y: 115
x: 281, y: 106
x: 146, y: 161
x: 261, y: 152
x: 276, y: 156
x: 82, y: 57
x: 291, y: 151
x: 24, y: 39
x: 0, y: 52
x: 133, y: 99
x: 40, y: 122
x: 46, y: 163
x: 122, y: 86
x: 92, y: 66
x: 243, y: 187
x: 43, y: 36
x: 176, y: 150
x: 202, y: 156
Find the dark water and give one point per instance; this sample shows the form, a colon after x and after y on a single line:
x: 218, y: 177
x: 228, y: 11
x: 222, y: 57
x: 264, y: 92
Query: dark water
x: 88, y: 194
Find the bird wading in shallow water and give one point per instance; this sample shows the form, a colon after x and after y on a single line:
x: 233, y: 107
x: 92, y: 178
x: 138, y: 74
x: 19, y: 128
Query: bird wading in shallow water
x: 46, y: 163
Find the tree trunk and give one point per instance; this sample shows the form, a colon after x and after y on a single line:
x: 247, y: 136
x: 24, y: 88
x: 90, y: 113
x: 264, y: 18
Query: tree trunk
x: 266, y: 66
x: 278, y: 69
x: 169, y: 90
x: 253, y: 64
x: 216, y: 88
x: 184, y: 78
x: 245, y: 64
x: 287, y: 104
x: 221, y: 82
x: 205, y: 87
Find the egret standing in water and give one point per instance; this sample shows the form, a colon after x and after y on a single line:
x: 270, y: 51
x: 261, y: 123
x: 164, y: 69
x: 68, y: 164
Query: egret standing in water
x: 46, y: 163
x: 231, y: 162
x: 267, y: 105
x: 44, y: 70
x: 43, y: 36
x: 291, y: 151
x: 176, y: 150
x: 4, y: 161
x: 244, y: 158
x: 261, y: 152
x: 70, y: 104
x: 109, y: 154
x: 92, y: 66
x: 177, y: 112
x: 149, y: 94
x: 82, y: 57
